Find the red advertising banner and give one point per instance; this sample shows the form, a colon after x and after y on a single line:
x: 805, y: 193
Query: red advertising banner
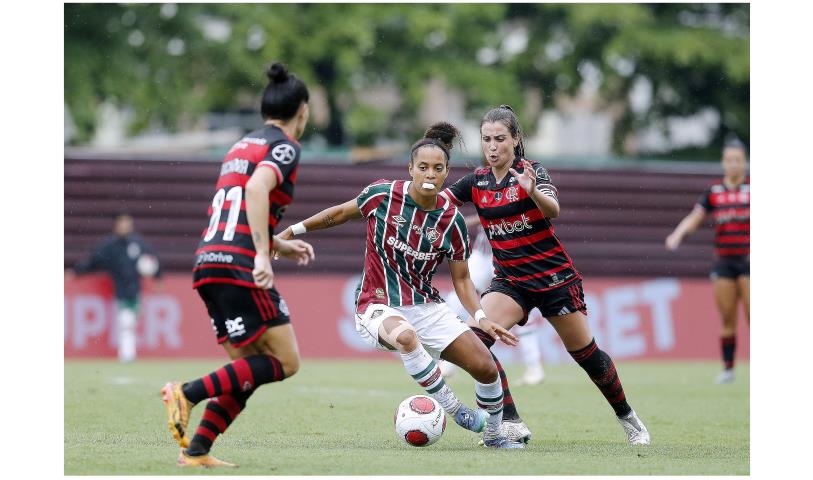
x: 653, y: 318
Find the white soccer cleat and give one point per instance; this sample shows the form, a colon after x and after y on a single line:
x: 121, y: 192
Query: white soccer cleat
x: 532, y: 376
x: 726, y: 376
x: 514, y: 431
x: 636, y: 431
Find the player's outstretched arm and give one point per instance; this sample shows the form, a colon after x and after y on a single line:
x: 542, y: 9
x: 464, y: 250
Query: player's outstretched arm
x: 687, y: 226
x: 467, y: 294
x: 327, y: 218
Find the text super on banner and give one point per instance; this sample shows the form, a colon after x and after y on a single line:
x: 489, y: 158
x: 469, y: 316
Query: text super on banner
x: 661, y: 318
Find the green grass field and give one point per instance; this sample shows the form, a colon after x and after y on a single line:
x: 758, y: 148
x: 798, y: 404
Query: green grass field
x: 335, y: 418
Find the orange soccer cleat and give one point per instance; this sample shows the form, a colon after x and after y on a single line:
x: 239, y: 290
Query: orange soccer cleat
x: 204, y: 461
x: 178, y: 408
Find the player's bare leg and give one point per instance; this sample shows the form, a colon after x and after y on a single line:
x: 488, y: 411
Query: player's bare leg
x: 744, y: 289
x: 726, y: 295
x: 575, y: 333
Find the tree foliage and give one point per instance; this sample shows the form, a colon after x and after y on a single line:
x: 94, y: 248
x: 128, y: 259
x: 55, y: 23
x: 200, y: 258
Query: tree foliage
x: 170, y: 64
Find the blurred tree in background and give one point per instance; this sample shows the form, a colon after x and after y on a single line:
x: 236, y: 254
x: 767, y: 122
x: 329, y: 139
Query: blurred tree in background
x: 170, y: 64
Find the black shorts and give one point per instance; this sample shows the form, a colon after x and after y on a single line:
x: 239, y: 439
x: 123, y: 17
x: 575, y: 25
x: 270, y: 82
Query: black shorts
x: 561, y: 300
x: 731, y: 267
x: 239, y: 314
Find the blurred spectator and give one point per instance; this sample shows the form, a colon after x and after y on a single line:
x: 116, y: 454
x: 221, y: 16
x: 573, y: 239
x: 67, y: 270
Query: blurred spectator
x: 126, y: 257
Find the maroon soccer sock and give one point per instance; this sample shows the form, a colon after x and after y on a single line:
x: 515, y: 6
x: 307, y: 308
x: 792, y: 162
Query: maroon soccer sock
x: 241, y: 375
x: 728, y: 346
x: 219, y: 414
x: 509, y: 411
x: 601, y: 370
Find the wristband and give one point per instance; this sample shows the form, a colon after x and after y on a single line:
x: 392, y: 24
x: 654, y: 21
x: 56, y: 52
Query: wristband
x: 479, y: 315
x: 298, y: 228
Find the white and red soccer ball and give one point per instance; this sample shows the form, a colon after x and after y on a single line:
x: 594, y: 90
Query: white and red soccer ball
x: 420, y: 421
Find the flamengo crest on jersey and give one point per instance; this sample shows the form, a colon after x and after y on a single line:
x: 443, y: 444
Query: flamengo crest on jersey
x: 405, y: 245
x: 525, y: 248
x: 731, y: 211
x: 225, y: 253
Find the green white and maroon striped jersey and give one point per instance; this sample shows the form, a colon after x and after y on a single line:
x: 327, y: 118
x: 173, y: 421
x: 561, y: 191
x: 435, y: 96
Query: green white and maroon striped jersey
x: 405, y: 245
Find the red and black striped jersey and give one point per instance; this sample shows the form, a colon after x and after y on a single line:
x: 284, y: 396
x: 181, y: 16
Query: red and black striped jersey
x: 525, y: 248
x: 226, y: 252
x: 405, y: 245
x: 731, y: 211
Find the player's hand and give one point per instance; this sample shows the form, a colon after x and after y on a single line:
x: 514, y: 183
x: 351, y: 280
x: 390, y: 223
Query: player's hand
x: 526, y: 179
x: 263, y: 274
x: 286, y: 234
x: 673, y: 242
x: 498, y: 332
x: 298, y: 250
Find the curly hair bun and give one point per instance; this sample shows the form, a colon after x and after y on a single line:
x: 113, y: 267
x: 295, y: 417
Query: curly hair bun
x: 444, y: 132
x: 277, y: 73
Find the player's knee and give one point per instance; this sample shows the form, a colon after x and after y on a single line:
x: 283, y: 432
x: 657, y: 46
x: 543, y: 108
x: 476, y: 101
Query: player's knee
x: 290, y: 365
x: 407, y: 340
x: 485, y: 371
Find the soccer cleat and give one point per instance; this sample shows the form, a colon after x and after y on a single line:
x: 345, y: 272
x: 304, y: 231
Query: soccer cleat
x: 203, y: 461
x: 532, y: 376
x: 636, y: 431
x: 501, y: 441
x: 726, y: 376
x: 515, y: 431
x: 178, y: 408
x: 474, y: 420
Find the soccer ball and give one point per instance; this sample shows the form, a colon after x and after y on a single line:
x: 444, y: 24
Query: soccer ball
x: 420, y: 421
x: 147, y: 265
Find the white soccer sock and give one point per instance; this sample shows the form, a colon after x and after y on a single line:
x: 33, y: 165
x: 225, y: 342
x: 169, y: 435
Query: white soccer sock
x: 489, y: 398
x: 426, y: 372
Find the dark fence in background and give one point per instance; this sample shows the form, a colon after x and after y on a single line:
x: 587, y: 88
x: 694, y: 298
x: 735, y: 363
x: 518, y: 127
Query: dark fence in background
x: 613, y: 221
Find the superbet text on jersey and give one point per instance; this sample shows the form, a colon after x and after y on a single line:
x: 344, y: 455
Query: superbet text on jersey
x: 405, y: 245
x: 226, y: 252
x: 526, y: 250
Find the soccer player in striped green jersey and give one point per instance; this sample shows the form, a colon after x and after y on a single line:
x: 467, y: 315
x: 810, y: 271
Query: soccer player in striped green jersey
x: 410, y: 230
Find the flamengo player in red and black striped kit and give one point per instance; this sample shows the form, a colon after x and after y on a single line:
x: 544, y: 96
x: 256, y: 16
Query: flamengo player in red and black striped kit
x: 516, y: 199
x: 233, y: 273
x: 729, y: 203
x: 410, y: 230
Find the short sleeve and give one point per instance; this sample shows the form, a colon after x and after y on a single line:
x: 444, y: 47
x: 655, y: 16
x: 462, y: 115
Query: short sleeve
x: 459, y: 239
x: 544, y: 183
x: 705, y: 201
x: 371, y: 197
x: 460, y: 191
x: 283, y: 158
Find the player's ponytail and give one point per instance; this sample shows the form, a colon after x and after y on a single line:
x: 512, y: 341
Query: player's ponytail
x: 284, y: 93
x: 440, y: 135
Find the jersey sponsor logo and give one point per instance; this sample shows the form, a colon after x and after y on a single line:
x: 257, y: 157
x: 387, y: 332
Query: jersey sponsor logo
x: 379, y: 292
x: 399, y: 220
x: 506, y: 228
x: 235, y: 327
x: 283, y: 154
x: 482, y: 183
x: 237, y: 165
x: 215, y: 257
x: 406, y: 249
x: 245, y: 142
x: 498, y: 196
x: 512, y: 194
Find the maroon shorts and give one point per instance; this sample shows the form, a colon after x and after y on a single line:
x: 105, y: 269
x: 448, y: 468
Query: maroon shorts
x: 561, y: 300
x: 239, y: 314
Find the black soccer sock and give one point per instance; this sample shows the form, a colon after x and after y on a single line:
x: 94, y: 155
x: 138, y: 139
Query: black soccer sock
x: 243, y: 374
x: 509, y: 411
x: 219, y: 414
x: 728, y: 346
x: 601, y: 370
